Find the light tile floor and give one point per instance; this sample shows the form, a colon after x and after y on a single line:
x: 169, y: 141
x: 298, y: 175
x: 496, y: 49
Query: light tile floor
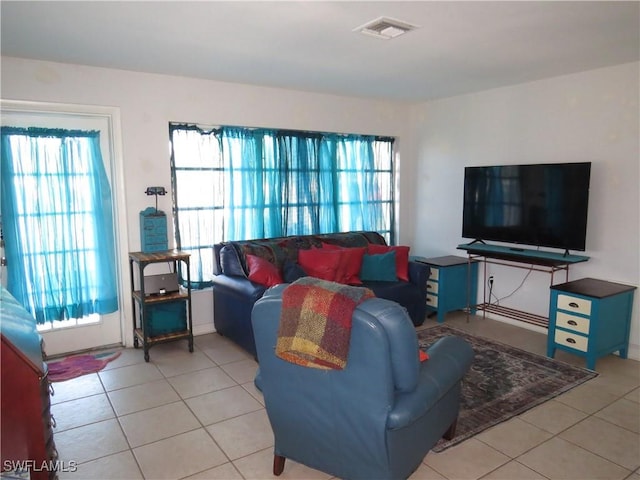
x: 199, y: 416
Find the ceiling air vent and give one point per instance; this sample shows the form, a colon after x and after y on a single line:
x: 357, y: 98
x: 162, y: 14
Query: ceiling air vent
x: 385, y: 28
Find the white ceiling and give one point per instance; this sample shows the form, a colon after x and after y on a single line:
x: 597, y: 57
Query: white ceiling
x: 460, y: 47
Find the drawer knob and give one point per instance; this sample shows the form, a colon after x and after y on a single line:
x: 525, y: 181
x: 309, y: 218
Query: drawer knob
x: 572, y: 322
x: 429, y: 287
x: 570, y: 340
x: 573, y: 305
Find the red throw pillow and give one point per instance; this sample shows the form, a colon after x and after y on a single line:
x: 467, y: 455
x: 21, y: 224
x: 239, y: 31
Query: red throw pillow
x: 423, y: 356
x: 402, y: 258
x: 349, y: 272
x: 320, y: 263
x: 351, y: 263
x: 263, y: 271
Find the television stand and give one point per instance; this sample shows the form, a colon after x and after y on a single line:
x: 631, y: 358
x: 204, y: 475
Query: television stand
x: 528, y: 259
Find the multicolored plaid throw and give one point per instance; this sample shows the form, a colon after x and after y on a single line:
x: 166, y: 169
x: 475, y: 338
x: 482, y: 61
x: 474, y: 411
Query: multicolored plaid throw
x: 315, y: 323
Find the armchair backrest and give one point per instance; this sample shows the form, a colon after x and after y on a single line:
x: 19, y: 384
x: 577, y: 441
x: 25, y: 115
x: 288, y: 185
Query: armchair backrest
x: 345, y: 409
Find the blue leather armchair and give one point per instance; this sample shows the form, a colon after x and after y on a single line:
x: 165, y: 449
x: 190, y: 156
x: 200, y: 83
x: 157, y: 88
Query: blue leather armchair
x: 379, y: 416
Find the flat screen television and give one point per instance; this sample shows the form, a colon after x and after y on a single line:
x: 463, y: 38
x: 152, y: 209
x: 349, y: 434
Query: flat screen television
x: 543, y: 205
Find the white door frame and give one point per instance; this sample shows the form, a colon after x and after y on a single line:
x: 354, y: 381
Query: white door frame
x: 72, y: 114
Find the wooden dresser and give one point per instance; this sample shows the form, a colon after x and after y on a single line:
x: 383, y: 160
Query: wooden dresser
x: 27, y: 424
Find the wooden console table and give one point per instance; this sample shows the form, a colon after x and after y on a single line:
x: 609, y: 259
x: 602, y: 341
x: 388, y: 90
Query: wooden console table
x: 528, y: 259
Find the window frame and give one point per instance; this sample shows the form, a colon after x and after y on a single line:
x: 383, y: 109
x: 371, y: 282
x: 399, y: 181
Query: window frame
x: 218, y: 168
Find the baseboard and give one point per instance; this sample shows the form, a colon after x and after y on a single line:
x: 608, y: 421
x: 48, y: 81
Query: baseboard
x: 203, y: 329
x: 516, y: 323
x: 634, y: 352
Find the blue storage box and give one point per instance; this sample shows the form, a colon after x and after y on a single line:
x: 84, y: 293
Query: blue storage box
x: 153, y: 231
x: 166, y: 318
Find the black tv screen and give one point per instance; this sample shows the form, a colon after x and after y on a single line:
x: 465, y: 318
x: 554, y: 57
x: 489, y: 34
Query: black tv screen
x: 542, y: 204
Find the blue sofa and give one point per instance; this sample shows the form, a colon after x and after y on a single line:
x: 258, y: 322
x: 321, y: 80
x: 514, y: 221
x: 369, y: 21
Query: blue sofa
x: 379, y: 416
x: 234, y: 295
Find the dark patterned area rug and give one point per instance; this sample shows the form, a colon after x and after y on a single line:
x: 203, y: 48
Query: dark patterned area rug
x: 503, y: 382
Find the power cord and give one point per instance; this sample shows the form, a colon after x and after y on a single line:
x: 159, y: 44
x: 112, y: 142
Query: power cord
x: 517, y: 288
x: 490, y: 283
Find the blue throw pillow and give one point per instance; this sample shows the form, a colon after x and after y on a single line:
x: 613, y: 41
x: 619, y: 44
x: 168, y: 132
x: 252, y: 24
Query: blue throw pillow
x: 292, y: 271
x: 379, y: 268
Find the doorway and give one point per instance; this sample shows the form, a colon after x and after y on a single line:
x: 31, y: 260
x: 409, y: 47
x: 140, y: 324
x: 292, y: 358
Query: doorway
x: 91, y: 331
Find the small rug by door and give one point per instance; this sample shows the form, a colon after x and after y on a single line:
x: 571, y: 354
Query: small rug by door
x: 77, y: 365
x: 503, y: 382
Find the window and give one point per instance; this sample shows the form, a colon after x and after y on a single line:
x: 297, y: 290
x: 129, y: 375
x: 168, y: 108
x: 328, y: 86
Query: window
x: 58, y: 223
x: 233, y: 183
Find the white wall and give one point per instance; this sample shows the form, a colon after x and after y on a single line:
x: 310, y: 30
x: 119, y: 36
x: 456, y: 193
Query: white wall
x: 149, y: 102
x: 590, y: 116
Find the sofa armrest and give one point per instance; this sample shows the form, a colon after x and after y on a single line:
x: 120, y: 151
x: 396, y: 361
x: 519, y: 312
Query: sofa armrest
x: 419, y: 274
x: 233, y: 299
x: 449, y: 360
x: 239, y: 286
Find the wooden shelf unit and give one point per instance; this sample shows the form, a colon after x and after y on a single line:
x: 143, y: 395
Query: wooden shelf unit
x: 143, y: 304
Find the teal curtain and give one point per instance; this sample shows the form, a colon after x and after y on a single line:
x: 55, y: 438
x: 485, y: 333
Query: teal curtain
x: 274, y: 187
x: 298, y: 158
x: 359, y: 192
x: 243, y: 183
x: 234, y: 183
x: 57, y: 221
x: 281, y: 183
x: 328, y: 186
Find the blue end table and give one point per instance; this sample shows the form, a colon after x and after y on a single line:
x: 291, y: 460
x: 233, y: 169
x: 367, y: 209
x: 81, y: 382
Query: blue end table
x: 590, y: 318
x: 452, y: 284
